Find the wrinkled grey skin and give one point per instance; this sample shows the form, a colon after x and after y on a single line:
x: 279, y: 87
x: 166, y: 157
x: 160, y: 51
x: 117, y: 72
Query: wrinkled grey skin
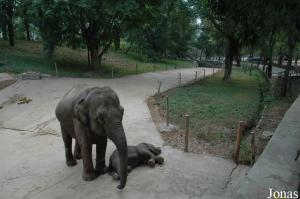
x: 91, y: 116
x: 141, y: 154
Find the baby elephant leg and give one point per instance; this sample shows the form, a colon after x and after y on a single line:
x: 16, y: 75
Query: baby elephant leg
x: 159, y: 160
x: 154, y: 150
x: 151, y: 162
x: 146, y: 156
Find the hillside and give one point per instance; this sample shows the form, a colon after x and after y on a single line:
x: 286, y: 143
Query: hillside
x: 27, y: 56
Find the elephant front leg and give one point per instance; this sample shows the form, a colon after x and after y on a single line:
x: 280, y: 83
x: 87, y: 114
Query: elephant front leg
x: 100, y: 156
x: 88, y: 168
x: 85, y: 145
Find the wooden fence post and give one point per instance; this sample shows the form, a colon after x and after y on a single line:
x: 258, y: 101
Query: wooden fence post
x: 196, y: 74
x: 179, y: 79
x: 168, y: 112
x: 112, y: 72
x: 253, y: 150
x: 238, y: 142
x: 56, y: 69
x: 204, y: 74
x: 136, y: 69
x: 186, y: 138
x: 158, y: 89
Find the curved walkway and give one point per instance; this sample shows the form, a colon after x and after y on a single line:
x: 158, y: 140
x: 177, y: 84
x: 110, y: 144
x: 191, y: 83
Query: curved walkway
x: 32, y: 153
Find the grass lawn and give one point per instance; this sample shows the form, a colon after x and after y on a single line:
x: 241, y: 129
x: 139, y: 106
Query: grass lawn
x: 215, y: 108
x: 27, y: 56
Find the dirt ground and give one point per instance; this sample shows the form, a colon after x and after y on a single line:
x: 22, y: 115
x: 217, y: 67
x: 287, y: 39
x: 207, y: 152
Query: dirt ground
x: 175, y: 137
x: 270, y: 118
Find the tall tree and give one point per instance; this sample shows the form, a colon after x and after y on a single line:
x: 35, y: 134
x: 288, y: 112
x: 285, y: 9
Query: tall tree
x: 291, y: 23
x: 94, y: 21
x: 225, y: 16
x: 7, y: 10
x: 23, y: 10
x: 48, y: 16
x: 162, y: 28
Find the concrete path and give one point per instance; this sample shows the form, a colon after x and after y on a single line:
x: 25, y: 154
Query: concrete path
x: 32, y: 153
x: 6, y: 80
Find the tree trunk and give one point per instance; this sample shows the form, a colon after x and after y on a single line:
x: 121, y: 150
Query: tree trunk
x: 201, y: 52
x: 89, y: 57
x: 95, y: 62
x: 270, y: 51
x: 117, y: 42
x: 296, y: 59
x: 251, y: 50
x: 291, y: 48
x: 4, y: 30
x: 9, y: 20
x: 48, y: 49
x: 26, y: 26
x: 230, y: 51
x: 238, y: 61
x: 280, y: 58
x: 11, y: 32
x: 238, y: 55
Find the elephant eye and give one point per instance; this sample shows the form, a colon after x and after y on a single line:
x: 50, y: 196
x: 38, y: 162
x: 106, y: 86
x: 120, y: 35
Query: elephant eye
x: 100, y: 118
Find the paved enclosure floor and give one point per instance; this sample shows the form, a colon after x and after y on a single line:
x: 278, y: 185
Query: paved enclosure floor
x: 32, y: 153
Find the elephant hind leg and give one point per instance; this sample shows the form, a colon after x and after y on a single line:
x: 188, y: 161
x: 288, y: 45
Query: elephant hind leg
x: 77, y: 151
x: 115, y: 176
x: 68, y: 148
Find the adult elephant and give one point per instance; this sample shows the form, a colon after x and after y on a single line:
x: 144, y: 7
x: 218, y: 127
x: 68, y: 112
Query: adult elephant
x: 91, y: 115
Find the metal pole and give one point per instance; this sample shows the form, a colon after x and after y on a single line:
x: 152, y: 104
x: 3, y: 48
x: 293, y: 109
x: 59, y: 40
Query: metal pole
x: 112, y: 72
x: 186, y: 138
x: 196, y: 74
x: 203, y: 73
x: 168, y: 112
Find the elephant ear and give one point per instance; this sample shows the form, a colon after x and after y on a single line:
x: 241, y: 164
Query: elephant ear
x: 80, y: 111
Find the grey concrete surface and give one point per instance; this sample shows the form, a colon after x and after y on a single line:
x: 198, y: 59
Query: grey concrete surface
x: 277, y: 167
x: 32, y: 153
x: 6, y: 80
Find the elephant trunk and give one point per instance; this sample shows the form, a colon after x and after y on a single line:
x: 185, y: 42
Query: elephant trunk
x: 117, y: 135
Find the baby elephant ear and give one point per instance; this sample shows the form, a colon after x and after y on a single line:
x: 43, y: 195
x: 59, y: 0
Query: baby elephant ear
x: 81, y: 112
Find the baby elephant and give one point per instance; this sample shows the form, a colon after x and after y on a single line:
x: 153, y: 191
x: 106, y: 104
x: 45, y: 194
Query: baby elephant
x: 141, y: 154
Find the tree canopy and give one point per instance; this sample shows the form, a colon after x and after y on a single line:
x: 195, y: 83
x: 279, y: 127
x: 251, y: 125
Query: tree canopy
x: 158, y: 28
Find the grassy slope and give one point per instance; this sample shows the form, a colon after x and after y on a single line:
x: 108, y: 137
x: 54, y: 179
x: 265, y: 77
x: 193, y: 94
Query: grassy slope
x: 215, y: 107
x: 27, y: 56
